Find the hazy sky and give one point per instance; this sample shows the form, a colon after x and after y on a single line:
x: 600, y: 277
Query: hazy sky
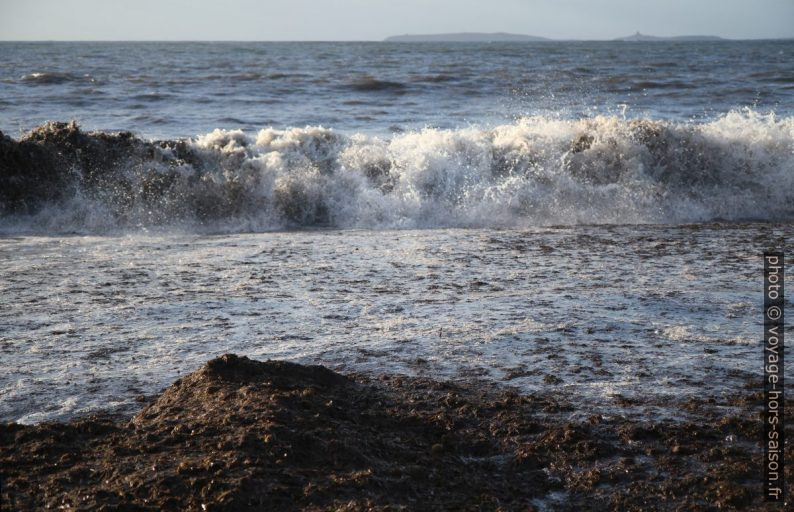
x: 266, y: 20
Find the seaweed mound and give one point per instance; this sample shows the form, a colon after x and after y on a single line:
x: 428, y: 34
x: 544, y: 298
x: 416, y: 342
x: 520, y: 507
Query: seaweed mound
x: 245, y: 435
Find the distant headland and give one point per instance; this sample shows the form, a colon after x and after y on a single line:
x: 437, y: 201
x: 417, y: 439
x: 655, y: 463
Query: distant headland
x: 499, y: 37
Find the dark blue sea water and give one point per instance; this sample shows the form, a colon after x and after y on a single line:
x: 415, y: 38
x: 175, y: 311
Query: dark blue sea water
x: 185, y: 89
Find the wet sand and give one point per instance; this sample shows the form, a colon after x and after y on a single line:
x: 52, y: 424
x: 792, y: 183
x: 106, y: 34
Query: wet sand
x: 245, y: 435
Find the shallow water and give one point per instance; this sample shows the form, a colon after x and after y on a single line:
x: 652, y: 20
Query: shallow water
x: 593, y: 312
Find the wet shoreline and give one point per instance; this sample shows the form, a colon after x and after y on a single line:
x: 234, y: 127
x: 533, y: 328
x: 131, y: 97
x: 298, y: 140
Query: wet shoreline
x: 599, y: 314
x: 245, y: 435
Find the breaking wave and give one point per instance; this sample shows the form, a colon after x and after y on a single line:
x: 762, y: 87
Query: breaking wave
x: 55, y: 78
x: 536, y: 171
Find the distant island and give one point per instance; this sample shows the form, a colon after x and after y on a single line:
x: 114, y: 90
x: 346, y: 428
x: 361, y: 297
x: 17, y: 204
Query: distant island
x: 501, y: 37
x: 465, y: 37
x: 645, y: 37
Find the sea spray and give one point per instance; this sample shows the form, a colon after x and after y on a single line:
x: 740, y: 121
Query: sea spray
x: 536, y: 171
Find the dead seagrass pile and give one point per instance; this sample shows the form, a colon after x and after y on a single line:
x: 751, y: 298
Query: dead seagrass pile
x: 240, y: 434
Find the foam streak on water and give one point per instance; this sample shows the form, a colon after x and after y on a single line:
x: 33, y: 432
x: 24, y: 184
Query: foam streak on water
x: 597, y: 313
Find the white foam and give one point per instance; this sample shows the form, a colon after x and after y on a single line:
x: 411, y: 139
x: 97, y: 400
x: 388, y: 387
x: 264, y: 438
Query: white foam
x: 536, y: 171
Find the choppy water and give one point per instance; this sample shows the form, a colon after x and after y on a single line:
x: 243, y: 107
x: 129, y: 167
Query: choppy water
x: 513, y: 212
x: 172, y: 90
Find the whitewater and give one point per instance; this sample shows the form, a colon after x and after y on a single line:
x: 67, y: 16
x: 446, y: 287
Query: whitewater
x: 534, y: 172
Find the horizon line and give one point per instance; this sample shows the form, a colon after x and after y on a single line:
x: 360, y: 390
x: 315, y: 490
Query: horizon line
x: 384, y: 40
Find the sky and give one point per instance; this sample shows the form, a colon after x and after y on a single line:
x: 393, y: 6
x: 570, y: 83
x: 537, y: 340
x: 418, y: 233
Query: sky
x: 342, y: 20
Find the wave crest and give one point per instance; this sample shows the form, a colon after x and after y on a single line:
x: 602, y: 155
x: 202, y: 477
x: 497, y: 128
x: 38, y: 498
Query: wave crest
x: 535, y: 171
x: 53, y: 78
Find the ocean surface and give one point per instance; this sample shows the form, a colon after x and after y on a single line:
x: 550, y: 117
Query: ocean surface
x: 582, y: 218
x: 169, y: 90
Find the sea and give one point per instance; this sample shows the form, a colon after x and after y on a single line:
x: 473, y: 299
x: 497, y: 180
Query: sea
x: 585, y: 219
